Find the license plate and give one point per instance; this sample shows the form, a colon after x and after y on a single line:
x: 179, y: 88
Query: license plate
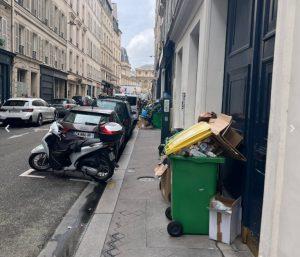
x: 15, y: 111
x: 84, y: 134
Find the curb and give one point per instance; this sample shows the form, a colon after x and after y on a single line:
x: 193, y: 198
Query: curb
x: 93, y: 239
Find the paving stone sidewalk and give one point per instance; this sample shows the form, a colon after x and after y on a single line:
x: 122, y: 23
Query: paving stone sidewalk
x: 138, y: 226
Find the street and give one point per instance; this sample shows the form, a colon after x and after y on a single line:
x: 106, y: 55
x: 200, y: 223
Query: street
x: 30, y: 207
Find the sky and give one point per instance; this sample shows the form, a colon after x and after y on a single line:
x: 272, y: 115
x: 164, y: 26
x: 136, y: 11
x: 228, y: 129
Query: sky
x: 136, y: 21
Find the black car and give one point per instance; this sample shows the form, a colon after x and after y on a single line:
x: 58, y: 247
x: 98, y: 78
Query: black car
x: 122, y: 108
x: 83, y: 100
x: 86, y: 122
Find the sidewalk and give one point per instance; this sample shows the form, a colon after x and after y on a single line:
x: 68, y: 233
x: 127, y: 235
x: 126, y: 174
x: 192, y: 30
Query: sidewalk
x: 133, y: 223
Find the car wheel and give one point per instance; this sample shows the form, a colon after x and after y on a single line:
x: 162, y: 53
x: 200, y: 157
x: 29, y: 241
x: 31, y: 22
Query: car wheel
x: 39, y: 121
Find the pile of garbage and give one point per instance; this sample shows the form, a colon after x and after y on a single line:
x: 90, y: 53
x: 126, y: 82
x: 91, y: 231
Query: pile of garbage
x: 212, y: 137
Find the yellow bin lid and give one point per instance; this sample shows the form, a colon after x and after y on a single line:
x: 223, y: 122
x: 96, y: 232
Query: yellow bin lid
x: 188, y: 137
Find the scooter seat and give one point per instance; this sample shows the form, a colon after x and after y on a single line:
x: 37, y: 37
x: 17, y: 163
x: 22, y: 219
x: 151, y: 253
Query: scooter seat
x: 89, y: 142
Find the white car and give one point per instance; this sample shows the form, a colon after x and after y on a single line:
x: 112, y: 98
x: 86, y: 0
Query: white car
x: 29, y: 110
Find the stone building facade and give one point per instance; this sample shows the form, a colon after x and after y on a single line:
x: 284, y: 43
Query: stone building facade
x: 6, y: 56
x: 59, y: 48
x: 145, y: 77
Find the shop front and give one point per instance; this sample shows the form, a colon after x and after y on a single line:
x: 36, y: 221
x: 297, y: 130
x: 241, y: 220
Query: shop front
x: 53, y: 84
x: 6, y: 59
x: 108, y: 88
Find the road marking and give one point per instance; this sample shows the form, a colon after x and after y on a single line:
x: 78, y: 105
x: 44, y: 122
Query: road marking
x: 6, y: 128
x: 28, y: 172
x: 20, y: 135
x: 82, y: 180
x: 39, y: 129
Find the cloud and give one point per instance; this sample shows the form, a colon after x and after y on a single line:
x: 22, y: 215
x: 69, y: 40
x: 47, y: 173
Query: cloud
x: 141, y: 47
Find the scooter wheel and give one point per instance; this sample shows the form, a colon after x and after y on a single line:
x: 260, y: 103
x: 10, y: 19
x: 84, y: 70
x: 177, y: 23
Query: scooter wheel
x: 106, y: 170
x: 39, y: 161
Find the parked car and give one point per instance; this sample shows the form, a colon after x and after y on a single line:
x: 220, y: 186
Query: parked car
x: 122, y: 108
x: 133, y: 101
x: 29, y: 110
x: 87, y: 122
x: 83, y: 100
x: 63, y: 105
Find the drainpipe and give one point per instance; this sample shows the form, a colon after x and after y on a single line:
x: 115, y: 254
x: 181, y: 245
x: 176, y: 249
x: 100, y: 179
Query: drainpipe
x: 12, y: 43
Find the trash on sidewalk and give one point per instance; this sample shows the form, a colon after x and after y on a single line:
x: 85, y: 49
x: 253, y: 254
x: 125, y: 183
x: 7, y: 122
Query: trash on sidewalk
x: 163, y: 171
x: 225, y: 219
x: 192, y: 161
x: 210, y: 138
x: 188, y: 137
x: 228, y: 138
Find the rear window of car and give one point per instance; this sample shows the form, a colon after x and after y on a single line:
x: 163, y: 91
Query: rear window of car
x: 59, y: 101
x: 86, y: 118
x: 19, y: 103
x: 107, y: 105
x: 132, y: 100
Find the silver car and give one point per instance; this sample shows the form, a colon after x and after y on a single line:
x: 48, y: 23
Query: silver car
x: 29, y: 110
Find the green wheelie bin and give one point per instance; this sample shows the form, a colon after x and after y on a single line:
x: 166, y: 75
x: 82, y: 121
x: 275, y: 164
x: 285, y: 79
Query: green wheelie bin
x: 194, y: 183
x: 157, y: 120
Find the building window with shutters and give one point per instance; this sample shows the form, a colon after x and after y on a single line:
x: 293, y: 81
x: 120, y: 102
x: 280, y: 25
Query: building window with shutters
x: 34, y: 45
x: 20, y: 39
x: 3, y: 33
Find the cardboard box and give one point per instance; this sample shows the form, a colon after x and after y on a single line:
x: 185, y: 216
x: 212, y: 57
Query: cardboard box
x: 227, y: 137
x: 164, y: 172
x: 142, y: 123
x: 225, y: 225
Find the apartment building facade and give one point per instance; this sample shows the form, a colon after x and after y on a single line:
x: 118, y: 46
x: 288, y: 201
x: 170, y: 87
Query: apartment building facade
x: 6, y: 55
x: 240, y: 57
x: 128, y: 77
x: 145, y: 78
x: 54, y: 48
x: 39, y: 37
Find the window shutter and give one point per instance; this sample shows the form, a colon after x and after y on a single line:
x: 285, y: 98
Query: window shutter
x: 17, y: 43
x: 27, y: 42
x: 1, y: 26
x: 4, y: 29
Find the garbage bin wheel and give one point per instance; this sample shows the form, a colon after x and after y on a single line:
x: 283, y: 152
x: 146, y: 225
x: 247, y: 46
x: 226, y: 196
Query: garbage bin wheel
x: 168, y: 213
x: 175, y: 229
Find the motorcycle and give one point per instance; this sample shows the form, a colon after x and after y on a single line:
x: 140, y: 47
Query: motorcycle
x: 93, y: 157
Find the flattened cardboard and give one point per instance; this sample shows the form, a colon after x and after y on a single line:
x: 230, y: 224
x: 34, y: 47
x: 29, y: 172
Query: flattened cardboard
x: 226, y: 136
x: 165, y: 183
x: 220, y: 124
x: 160, y: 169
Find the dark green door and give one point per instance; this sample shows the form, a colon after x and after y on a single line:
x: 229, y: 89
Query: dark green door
x: 247, y: 93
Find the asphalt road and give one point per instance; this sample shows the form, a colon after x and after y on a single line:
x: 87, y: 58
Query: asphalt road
x: 30, y: 208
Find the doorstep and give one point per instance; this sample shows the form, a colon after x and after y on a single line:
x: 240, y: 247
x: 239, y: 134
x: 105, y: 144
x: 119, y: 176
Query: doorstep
x: 130, y: 219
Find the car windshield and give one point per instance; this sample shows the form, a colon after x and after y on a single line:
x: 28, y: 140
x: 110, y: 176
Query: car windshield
x: 106, y: 105
x: 86, y: 118
x: 58, y: 101
x: 132, y: 100
x: 19, y: 103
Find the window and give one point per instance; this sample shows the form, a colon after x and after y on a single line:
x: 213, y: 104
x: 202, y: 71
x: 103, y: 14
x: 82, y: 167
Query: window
x: 34, y: 45
x: 3, y: 32
x: 20, y: 39
x: 86, y: 118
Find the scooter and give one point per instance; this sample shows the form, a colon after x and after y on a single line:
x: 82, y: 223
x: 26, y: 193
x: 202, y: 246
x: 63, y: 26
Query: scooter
x: 92, y: 157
